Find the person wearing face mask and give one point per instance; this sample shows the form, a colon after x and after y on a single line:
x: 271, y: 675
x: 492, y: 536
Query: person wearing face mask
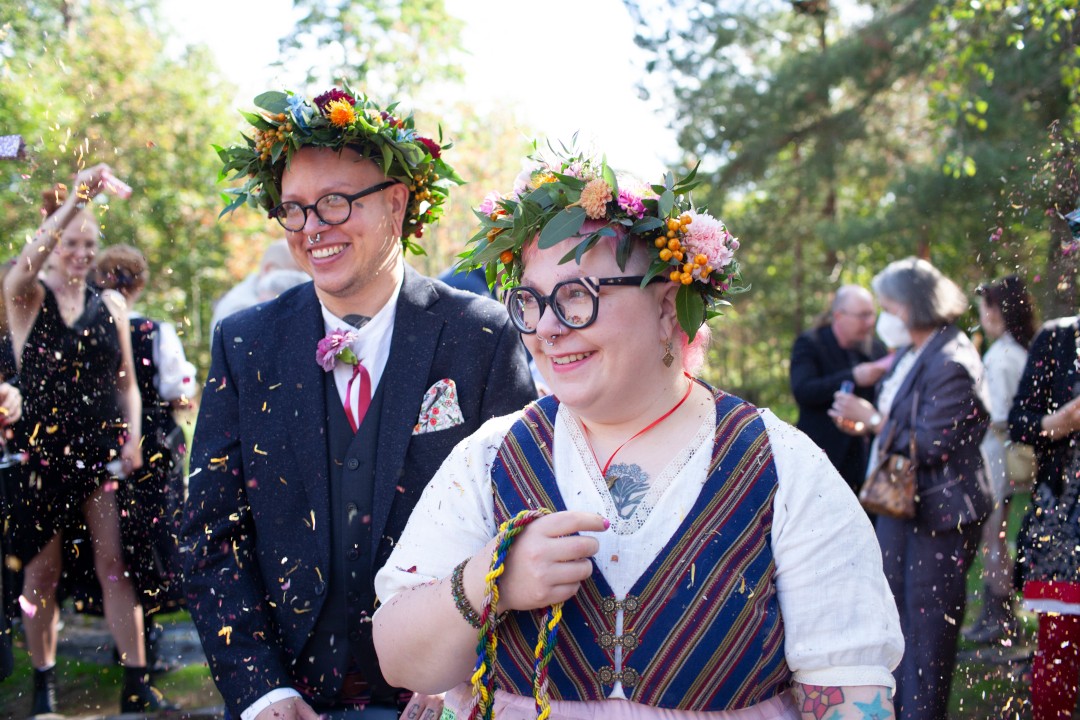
x: 934, y: 394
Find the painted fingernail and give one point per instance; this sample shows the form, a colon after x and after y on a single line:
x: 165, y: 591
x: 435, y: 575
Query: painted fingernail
x: 607, y: 523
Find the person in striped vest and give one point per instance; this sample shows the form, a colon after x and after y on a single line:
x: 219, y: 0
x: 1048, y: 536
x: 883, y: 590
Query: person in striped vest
x: 701, y: 557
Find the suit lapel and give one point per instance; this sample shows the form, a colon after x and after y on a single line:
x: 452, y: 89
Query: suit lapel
x: 404, y: 381
x: 305, y: 411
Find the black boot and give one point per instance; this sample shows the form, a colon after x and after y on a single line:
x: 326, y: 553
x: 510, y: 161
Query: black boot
x: 44, y: 692
x: 999, y: 621
x: 139, y: 695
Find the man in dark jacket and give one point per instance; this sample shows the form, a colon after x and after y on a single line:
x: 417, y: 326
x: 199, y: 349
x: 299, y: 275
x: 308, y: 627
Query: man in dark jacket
x: 822, y: 360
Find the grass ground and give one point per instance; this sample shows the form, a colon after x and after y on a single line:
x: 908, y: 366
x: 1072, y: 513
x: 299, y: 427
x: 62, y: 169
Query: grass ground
x: 90, y: 689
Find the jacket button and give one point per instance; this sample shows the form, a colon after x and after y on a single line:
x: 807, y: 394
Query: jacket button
x: 353, y: 598
x: 353, y: 554
x: 320, y: 588
x: 352, y: 464
x: 354, y: 635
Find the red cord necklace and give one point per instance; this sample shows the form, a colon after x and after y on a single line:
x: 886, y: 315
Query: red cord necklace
x: 604, y: 470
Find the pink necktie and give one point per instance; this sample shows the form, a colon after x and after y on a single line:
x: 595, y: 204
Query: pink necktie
x: 356, y: 414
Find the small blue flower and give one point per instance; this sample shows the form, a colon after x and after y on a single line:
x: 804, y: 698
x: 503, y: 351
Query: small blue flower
x: 301, y: 112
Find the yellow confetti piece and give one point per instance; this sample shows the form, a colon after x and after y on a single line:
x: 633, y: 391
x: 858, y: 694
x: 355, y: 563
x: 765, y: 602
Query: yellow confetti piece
x: 226, y: 632
x: 260, y: 452
x: 275, y: 386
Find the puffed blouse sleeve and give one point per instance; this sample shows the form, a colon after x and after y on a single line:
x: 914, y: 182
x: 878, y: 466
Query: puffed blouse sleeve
x: 454, y: 518
x: 841, y: 626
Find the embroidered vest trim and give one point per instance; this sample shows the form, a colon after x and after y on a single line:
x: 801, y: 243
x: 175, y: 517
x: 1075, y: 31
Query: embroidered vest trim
x: 702, y: 628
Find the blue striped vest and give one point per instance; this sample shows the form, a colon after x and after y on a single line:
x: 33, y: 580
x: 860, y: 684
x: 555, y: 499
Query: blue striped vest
x: 702, y: 628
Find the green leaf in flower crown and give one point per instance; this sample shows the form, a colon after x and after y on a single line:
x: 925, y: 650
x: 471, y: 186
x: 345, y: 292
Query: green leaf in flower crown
x: 273, y: 101
x: 565, y: 224
x: 609, y: 178
x: 667, y: 201
x: 690, y: 309
x: 646, y: 224
x: 257, y: 120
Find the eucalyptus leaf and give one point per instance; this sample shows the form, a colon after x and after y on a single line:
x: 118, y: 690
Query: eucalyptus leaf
x: 645, y: 225
x: 667, y: 202
x: 690, y: 309
x: 566, y: 224
x: 273, y: 101
x: 609, y: 178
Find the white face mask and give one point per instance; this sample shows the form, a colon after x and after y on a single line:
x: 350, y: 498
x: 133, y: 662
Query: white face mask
x: 892, y: 330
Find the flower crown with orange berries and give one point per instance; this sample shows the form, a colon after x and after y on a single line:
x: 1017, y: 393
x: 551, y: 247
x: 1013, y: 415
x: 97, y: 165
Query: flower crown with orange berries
x: 553, y: 200
x: 338, y: 119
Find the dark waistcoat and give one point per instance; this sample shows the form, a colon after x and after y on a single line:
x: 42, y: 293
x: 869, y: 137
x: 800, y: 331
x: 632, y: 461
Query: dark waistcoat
x: 341, y: 642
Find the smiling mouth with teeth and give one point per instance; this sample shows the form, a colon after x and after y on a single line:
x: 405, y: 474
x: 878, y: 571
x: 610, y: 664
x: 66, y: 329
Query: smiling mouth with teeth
x: 326, y: 252
x: 567, y: 359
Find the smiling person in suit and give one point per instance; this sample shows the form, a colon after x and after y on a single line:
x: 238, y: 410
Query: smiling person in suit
x: 327, y: 410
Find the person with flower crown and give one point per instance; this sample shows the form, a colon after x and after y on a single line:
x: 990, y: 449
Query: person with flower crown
x: 328, y: 409
x: 656, y: 547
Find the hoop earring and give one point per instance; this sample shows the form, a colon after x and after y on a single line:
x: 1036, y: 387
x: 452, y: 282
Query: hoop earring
x: 314, y: 240
x: 668, y: 357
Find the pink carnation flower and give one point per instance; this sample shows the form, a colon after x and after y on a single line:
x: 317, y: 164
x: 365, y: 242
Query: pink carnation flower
x: 490, y: 203
x: 335, y: 345
x: 631, y: 204
x: 710, y: 237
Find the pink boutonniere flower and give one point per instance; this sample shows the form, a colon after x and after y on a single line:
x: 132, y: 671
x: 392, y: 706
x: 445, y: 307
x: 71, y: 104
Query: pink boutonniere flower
x: 335, y: 347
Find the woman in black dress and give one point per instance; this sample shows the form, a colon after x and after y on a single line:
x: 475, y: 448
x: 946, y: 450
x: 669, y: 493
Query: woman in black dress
x: 81, y: 428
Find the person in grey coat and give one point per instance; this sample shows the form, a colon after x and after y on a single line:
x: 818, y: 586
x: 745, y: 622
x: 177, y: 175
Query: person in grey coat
x: 935, y: 394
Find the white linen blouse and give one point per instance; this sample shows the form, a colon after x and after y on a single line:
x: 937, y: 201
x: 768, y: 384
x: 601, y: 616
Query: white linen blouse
x: 840, y: 621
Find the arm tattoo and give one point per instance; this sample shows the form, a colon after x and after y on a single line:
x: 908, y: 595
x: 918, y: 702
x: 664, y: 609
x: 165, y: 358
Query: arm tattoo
x: 817, y: 699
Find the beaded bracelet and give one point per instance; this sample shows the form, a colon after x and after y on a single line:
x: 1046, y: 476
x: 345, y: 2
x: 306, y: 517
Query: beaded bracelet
x: 461, y: 601
x: 483, y: 677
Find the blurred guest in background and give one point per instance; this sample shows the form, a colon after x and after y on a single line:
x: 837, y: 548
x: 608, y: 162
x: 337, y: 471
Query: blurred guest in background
x: 823, y: 359
x: 277, y: 273
x: 1046, y: 414
x: 81, y: 427
x: 166, y: 384
x: 934, y: 394
x: 1007, y: 317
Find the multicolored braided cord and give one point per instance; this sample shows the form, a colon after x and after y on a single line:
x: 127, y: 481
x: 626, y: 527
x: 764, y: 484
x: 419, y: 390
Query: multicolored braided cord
x: 483, y: 677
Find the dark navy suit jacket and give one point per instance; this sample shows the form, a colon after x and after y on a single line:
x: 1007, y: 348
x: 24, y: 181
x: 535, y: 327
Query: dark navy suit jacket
x: 257, y: 523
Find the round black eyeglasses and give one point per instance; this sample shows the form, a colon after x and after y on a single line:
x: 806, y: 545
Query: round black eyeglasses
x: 332, y: 209
x: 575, y: 302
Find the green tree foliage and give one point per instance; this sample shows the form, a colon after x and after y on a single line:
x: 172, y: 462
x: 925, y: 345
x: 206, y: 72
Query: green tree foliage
x: 89, y: 82
x: 834, y: 146
x: 388, y: 47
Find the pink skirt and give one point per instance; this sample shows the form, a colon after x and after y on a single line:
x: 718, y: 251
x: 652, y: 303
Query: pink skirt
x: 508, y: 706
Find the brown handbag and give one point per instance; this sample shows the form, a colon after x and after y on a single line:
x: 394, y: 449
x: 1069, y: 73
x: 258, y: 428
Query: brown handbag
x: 890, y: 489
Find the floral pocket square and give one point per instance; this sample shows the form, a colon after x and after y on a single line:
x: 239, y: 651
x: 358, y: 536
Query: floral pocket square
x: 440, y: 409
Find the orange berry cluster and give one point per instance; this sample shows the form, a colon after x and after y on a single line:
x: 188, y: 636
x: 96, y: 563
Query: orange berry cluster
x: 420, y: 193
x: 671, y: 249
x: 266, y: 139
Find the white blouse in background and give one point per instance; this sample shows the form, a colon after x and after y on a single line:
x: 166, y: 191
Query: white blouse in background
x: 840, y: 621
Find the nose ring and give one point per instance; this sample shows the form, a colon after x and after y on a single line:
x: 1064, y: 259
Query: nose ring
x: 314, y: 240
x: 551, y: 342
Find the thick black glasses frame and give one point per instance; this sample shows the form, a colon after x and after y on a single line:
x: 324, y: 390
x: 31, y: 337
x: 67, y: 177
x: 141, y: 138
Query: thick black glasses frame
x: 592, y: 284
x: 279, y: 213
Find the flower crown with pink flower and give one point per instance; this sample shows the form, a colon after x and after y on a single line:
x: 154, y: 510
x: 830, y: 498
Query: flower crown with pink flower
x: 553, y: 201
x: 338, y: 119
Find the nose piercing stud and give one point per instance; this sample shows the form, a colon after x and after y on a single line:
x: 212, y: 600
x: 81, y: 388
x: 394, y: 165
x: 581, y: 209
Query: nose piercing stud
x: 313, y: 240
